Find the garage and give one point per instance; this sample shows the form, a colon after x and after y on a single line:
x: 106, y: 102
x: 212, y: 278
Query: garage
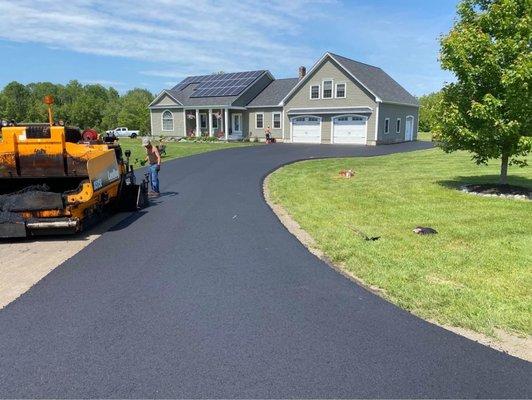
x: 349, y: 129
x: 306, y: 129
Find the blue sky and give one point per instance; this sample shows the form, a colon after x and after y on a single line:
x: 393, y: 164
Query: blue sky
x: 154, y: 44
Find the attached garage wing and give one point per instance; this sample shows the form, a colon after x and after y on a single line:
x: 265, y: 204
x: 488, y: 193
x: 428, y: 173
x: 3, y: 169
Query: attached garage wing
x: 349, y: 129
x: 306, y: 129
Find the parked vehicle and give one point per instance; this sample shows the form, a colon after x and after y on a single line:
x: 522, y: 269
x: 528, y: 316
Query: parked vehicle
x: 123, y: 132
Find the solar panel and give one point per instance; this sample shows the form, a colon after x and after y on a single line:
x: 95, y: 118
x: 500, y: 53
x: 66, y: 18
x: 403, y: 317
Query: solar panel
x: 231, y: 84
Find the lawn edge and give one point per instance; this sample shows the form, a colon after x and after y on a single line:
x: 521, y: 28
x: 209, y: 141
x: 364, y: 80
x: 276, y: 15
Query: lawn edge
x: 505, y: 342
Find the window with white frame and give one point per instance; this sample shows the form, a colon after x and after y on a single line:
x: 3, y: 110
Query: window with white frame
x: 387, y: 125
x: 168, y: 121
x: 276, y: 118
x: 315, y: 92
x: 398, y: 125
x: 203, y: 121
x: 327, y: 89
x: 340, y: 90
x: 259, y: 120
x: 214, y: 122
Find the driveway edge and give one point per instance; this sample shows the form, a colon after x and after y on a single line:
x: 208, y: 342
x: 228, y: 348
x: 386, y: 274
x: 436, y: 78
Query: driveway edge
x: 506, y: 343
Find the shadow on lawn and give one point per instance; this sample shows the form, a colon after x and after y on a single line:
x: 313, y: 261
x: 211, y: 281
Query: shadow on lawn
x: 459, y: 181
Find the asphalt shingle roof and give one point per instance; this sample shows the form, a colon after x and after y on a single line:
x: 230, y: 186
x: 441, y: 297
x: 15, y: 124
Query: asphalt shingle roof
x: 377, y: 81
x: 274, y: 92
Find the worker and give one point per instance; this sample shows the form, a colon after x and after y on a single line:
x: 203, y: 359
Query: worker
x: 154, y: 159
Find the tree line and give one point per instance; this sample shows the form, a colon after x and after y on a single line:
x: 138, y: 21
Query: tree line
x: 84, y: 106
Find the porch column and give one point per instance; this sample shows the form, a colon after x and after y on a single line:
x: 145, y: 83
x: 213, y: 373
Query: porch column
x: 226, y: 121
x: 184, y: 123
x: 198, y: 127
x: 210, y: 123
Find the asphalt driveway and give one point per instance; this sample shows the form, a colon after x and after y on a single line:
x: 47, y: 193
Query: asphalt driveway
x: 206, y: 294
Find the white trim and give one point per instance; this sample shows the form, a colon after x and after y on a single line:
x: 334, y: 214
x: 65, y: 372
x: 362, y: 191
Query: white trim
x: 386, y: 131
x: 256, y: 120
x: 310, y: 92
x: 349, y: 115
x: 151, y: 123
x: 198, y: 127
x: 209, y: 122
x: 328, y: 108
x: 400, y: 104
x: 160, y: 94
x: 303, y: 116
x: 413, y: 122
x: 184, y: 123
x: 280, y: 119
x: 226, y: 123
x: 282, y: 125
x: 396, y: 121
x: 377, y: 122
x: 314, y: 67
x: 323, y: 88
x: 162, y: 121
x: 336, y: 90
x: 273, y: 106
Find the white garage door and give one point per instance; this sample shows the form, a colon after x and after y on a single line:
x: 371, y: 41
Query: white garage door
x: 349, y: 129
x: 306, y: 130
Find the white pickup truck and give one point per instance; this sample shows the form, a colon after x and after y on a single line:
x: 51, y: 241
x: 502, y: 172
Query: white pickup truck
x: 123, y: 132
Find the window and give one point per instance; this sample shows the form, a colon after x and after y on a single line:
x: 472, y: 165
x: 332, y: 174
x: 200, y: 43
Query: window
x: 315, y: 92
x: 327, y: 89
x: 168, y: 121
x: 276, y: 118
x: 313, y: 119
x: 398, y: 126
x: 259, y: 120
x: 203, y: 121
x: 387, y: 125
x: 214, y: 122
x: 340, y: 90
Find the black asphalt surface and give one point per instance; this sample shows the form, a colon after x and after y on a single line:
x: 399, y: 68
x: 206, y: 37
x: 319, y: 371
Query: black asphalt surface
x: 206, y: 294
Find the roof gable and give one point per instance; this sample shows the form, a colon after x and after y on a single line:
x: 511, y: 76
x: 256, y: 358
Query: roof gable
x: 165, y: 98
x: 373, y: 79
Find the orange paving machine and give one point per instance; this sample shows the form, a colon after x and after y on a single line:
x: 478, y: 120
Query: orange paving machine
x: 53, y: 180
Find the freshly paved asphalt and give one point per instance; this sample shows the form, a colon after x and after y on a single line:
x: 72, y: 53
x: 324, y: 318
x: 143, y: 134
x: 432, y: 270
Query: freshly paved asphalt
x: 206, y: 294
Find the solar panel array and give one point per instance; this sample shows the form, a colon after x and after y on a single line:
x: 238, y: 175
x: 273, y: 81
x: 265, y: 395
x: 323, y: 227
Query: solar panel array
x: 219, y: 85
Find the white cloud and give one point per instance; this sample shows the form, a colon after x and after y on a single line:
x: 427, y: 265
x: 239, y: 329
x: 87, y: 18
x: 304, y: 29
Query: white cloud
x: 183, y: 36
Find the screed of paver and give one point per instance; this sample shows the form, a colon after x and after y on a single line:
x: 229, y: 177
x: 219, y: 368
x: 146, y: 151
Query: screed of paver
x: 24, y: 263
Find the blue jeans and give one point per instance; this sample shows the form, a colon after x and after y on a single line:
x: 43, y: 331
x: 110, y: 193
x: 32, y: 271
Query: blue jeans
x: 154, y: 178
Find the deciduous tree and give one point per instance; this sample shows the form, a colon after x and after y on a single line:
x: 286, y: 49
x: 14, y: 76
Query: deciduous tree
x: 488, y: 110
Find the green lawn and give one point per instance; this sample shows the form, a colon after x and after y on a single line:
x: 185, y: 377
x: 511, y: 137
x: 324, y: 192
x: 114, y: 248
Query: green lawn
x: 476, y: 273
x: 175, y: 149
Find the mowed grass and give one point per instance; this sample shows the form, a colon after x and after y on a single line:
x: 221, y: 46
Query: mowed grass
x: 175, y: 149
x: 475, y: 273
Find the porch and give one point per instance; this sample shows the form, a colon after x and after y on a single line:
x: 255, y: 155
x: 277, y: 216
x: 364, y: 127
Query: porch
x: 226, y: 123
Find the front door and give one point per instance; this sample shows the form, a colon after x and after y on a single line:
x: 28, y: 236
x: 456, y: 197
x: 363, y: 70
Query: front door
x: 236, y: 124
x: 409, y: 128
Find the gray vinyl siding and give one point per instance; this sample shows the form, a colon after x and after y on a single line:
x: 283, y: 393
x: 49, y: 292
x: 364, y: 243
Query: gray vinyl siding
x: 268, y: 121
x: 394, y: 111
x: 356, y: 96
x: 156, y: 122
x: 253, y: 91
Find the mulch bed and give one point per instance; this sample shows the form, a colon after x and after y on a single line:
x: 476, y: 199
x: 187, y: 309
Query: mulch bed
x: 492, y: 189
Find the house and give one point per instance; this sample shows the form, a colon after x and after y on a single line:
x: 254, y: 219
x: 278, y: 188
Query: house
x: 339, y: 101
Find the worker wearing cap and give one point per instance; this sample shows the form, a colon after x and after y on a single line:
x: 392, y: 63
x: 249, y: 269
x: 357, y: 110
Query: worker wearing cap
x: 154, y: 159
